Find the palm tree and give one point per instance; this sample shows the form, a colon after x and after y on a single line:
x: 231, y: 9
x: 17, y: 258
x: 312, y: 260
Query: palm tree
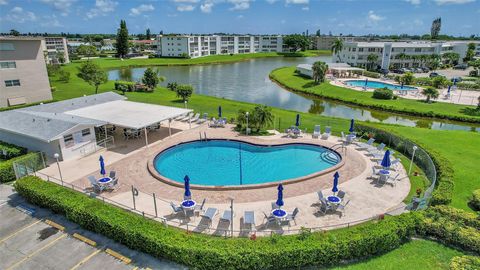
x: 262, y: 116
x: 319, y: 71
x: 430, y: 92
x: 401, y: 57
x: 372, y: 59
x: 337, y: 46
x: 434, y: 61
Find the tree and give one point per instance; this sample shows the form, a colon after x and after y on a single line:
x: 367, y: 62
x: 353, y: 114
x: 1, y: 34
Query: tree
x: 440, y: 81
x: 319, y: 69
x: 296, y: 42
x: 261, y: 117
x: 435, y: 30
x: 92, y: 74
x: 434, y: 62
x: 337, y: 46
x: 430, y: 92
x: 184, y: 91
x: 478, y: 105
x: 318, y: 33
x: 172, y: 86
x: 122, y: 40
x: 451, y: 57
x: 150, y: 78
x: 87, y: 50
x: 470, y: 52
x: 476, y: 66
x: 60, y: 57
x: 64, y: 76
x: 148, y: 35
x: 372, y: 59
x: 407, y: 78
x: 14, y: 32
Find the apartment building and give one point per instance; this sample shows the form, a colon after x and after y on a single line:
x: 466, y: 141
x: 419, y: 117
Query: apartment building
x: 390, y: 55
x: 198, y: 46
x: 326, y: 42
x: 23, y: 73
x: 56, y: 50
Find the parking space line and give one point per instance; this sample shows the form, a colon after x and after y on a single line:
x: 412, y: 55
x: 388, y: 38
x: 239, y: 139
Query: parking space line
x: 36, y: 251
x: 19, y: 231
x: 84, y: 260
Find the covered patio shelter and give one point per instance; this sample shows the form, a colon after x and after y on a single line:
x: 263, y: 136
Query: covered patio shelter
x: 129, y: 114
x: 345, y: 71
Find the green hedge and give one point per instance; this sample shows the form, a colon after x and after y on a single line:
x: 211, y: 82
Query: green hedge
x: 453, y: 214
x: 465, y: 263
x: 9, y: 151
x: 370, y: 74
x: 383, y: 93
x: 469, y: 86
x: 475, y: 200
x: 7, y: 173
x: 208, y: 252
x: 128, y: 86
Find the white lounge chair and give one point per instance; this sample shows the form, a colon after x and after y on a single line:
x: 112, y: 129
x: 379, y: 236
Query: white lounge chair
x: 316, y: 132
x: 328, y: 131
x: 195, y: 118
x: 203, y: 119
x: 249, y: 219
x: 186, y: 117
x: 376, y: 150
x: 209, y: 214
x: 365, y: 146
x: 227, y: 216
x: 344, y: 138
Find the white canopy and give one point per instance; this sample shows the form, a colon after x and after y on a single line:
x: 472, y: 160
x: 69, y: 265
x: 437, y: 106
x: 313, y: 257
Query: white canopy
x: 129, y: 114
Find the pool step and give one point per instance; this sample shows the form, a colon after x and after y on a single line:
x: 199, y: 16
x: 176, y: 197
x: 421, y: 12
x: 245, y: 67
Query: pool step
x: 329, y: 157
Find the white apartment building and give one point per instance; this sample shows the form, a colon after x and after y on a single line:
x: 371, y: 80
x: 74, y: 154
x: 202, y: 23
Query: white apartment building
x: 389, y: 53
x: 53, y: 47
x: 197, y: 46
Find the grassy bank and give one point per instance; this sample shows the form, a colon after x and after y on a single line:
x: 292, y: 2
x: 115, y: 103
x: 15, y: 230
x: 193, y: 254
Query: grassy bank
x: 109, y: 63
x: 287, y: 78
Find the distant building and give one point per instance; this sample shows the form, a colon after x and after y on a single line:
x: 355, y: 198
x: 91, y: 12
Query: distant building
x: 55, y: 48
x: 326, y: 42
x: 197, y: 46
x: 23, y: 73
x: 392, y: 54
x: 73, y: 45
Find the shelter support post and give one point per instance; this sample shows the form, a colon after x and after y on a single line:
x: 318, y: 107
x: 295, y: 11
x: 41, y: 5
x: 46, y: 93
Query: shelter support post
x: 169, y: 128
x: 146, y: 136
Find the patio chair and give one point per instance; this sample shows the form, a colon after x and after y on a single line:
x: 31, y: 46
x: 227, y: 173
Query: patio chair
x: 199, y: 208
x: 341, y: 194
x: 227, y: 216
x: 292, y: 216
x: 344, y: 138
x: 179, y: 117
x: 326, y: 135
x: 176, y: 209
x: 269, y: 218
x: 113, y: 184
x: 365, y: 146
x: 186, y: 117
x: 203, y: 119
x: 209, y: 214
x: 249, y: 219
x: 320, y: 195
x: 342, y: 206
x: 392, y: 180
x: 195, y: 118
x: 112, y: 174
x: 96, y: 187
x: 376, y: 150
x: 316, y: 132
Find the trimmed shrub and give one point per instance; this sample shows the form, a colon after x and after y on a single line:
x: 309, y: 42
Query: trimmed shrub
x: 453, y: 214
x: 121, y: 85
x: 209, y: 252
x: 475, y: 200
x: 465, y: 263
x: 8, y: 151
x: 469, y: 86
x: 7, y: 173
x: 383, y: 93
x: 370, y: 74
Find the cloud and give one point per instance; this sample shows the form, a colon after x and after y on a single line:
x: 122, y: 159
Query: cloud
x: 3, y: 2
x: 271, y: 1
x: 140, y: 9
x: 374, y: 17
x: 446, y: 2
x: 239, y: 4
x: 306, y: 8
x: 62, y: 5
x: 418, y: 22
x: 183, y: 8
x: 50, y: 21
x: 187, y: 1
x: 102, y: 7
x: 297, y: 2
x: 414, y: 2
x: 240, y: 17
x: 207, y: 6
x: 18, y: 15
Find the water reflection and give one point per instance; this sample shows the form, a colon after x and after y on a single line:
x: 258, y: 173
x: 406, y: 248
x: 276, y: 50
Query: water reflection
x: 248, y: 81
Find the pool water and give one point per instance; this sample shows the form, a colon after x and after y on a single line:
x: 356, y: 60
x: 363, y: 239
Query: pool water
x: 230, y: 163
x: 375, y: 84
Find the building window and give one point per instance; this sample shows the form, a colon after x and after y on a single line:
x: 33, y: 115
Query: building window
x: 85, y: 132
x: 7, y: 65
x: 7, y: 47
x: 68, y: 139
x: 9, y: 83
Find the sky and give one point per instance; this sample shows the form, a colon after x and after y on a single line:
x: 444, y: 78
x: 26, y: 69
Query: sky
x: 358, y: 17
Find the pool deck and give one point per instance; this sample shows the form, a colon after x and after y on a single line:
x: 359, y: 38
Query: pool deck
x: 367, y: 198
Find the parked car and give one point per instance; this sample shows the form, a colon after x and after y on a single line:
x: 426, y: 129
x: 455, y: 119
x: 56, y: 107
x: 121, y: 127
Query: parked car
x: 426, y: 69
x: 418, y: 70
x: 398, y: 71
x: 434, y: 74
x: 461, y: 66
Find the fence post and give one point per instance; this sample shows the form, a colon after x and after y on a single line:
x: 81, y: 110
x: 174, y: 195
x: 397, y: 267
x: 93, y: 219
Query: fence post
x: 133, y: 196
x: 155, y: 204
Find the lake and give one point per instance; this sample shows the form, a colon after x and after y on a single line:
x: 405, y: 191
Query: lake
x: 248, y: 81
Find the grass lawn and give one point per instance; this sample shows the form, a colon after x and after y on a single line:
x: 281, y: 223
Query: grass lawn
x: 287, y: 77
x: 417, y: 254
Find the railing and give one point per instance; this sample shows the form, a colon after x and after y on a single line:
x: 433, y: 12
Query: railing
x: 96, y: 146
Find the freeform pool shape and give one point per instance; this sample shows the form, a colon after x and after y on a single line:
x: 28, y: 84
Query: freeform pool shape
x: 375, y: 84
x: 235, y: 163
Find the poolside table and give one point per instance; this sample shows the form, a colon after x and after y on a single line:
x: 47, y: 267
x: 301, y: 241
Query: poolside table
x: 383, y: 175
x: 189, y: 204
x: 105, y: 181
x: 279, y: 214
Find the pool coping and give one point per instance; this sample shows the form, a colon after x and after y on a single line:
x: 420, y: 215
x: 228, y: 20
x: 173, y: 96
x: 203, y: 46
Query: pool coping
x: 344, y: 82
x: 158, y: 176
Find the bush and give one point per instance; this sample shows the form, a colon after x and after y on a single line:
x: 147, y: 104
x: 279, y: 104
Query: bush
x: 7, y: 173
x: 465, y: 263
x: 208, y: 252
x: 383, y: 93
x: 453, y: 214
x: 475, y: 200
x: 469, y: 86
x: 423, y: 81
x: 64, y: 76
x: 103, y: 55
x: 9, y: 151
x: 473, y: 73
x: 370, y: 74
x: 440, y: 81
x: 122, y: 85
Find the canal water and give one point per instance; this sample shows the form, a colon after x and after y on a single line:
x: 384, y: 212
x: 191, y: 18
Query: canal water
x: 248, y: 81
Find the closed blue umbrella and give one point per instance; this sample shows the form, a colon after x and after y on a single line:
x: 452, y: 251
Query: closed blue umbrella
x: 297, y: 121
x: 386, y: 159
x: 335, y: 182
x: 219, y: 111
x: 187, y: 194
x: 449, y: 87
x: 401, y: 86
x: 352, y: 123
x: 454, y: 81
x: 366, y: 82
x: 102, y: 166
x: 280, y: 195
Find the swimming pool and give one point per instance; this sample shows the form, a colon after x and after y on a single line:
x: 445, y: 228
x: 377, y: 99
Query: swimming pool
x: 235, y: 163
x: 376, y: 84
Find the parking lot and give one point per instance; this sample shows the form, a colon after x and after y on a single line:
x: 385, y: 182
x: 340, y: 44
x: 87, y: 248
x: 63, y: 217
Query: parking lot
x: 35, y: 238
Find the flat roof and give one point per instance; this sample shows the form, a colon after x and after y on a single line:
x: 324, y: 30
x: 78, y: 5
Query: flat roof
x: 129, y: 114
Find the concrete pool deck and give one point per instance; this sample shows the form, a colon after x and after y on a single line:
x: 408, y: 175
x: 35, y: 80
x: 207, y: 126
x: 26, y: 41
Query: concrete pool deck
x: 366, y: 198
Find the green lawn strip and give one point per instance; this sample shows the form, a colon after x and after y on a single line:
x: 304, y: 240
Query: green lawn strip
x: 419, y: 181
x: 416, y: 254
x: 286, y: 77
